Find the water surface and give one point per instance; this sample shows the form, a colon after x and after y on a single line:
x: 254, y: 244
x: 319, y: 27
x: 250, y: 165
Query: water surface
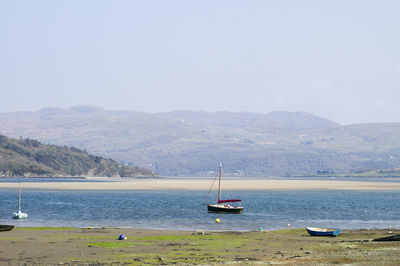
x: 185, y: 210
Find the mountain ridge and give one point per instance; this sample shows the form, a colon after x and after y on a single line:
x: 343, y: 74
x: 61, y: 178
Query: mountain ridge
x: 192, y: 143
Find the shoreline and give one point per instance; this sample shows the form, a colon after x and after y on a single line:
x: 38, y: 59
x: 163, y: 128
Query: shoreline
x: 77, y: 246
x: 198, y: 184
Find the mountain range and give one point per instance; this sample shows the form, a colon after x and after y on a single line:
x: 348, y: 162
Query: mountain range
x: 188, y: 143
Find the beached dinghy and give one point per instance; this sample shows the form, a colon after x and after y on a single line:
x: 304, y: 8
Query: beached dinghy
x: 317, y: 231
x: 6, y: 227
x: 222, y: 205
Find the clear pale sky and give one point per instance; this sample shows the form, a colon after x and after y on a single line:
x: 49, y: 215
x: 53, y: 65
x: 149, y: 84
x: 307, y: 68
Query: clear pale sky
x: 335, y: 59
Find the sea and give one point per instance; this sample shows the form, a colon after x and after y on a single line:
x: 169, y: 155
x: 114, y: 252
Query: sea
x: 187, y: 210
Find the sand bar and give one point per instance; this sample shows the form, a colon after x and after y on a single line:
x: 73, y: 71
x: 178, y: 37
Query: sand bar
x: 197, y: 184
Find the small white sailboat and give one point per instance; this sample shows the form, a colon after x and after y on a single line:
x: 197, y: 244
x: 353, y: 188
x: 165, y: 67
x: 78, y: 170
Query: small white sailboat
x: 19, y: 214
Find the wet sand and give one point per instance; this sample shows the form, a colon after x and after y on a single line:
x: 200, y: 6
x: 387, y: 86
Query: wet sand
x: 199, y: 184
x: 74, y: 246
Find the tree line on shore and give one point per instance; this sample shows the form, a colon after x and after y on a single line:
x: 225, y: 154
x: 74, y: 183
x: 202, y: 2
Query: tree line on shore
x: 29, y: 157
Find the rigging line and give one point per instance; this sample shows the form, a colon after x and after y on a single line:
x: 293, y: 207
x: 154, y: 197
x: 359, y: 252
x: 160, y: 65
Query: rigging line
x: 209, y: 191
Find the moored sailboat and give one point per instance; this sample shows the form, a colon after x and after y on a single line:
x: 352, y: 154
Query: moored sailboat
x: 19, y: 214
x: 221, y: 205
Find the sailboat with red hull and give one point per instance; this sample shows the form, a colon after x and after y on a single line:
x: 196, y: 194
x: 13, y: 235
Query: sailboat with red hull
x: 221, y: 205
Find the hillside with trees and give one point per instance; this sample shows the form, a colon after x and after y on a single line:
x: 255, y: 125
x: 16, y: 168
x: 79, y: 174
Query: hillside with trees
x: 30, y: 158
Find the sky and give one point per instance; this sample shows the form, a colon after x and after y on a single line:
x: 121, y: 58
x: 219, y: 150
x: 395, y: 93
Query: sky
x: 335, y: 59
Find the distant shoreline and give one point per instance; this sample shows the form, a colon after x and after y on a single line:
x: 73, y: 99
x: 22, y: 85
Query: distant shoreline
x: 198, y: 184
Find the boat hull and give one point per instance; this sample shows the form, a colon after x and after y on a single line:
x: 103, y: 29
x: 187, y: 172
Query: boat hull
x: 19, y: 215
x: 224, y: 208
x: 5, y: 227
x: 317, y: 231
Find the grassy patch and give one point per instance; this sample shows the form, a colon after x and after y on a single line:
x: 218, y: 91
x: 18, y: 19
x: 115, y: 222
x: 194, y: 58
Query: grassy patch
x: 287, y: 231
x: 119, y: 244
x: 113, y: 245
x: 85, y: 237
x: 275, y: 244
x: 7, y: 238
x: 191, y: 249
x: 221, y: 243
x: 168, y: 238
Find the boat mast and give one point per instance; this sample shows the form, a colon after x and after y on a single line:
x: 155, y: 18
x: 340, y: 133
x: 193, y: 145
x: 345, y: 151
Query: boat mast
x: 19, y: 201
x: 219, y: 185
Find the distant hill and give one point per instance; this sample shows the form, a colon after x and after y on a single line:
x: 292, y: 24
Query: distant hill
x: 187, y: 143
x: 247, y: 119
x: 30, y: 158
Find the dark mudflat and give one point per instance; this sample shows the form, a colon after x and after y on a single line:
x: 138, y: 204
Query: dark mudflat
x: 388, y: 238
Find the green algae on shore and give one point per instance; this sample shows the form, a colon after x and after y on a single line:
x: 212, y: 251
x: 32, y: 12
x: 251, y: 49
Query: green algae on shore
x: 100, y: 246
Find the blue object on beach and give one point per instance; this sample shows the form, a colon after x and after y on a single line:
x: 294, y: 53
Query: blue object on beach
x: 121, y: 237
x: 317, y: 231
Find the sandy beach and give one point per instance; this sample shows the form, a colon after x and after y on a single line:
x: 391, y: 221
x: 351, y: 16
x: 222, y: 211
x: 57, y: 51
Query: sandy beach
x: 200, y: 184
x: 100, y: 246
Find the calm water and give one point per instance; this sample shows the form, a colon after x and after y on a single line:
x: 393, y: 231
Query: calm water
x: 184, y: 210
